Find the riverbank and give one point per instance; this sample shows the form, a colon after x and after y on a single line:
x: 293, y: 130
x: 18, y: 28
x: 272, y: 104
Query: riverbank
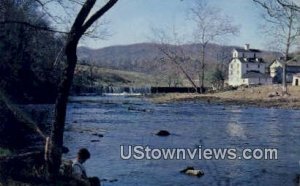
x: 262, y: 96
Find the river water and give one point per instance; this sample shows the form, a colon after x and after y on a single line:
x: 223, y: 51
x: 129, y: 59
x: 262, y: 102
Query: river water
x: 191, y: 124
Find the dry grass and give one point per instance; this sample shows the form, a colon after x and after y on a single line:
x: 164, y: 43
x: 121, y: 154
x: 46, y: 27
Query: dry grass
x: 256, y: 96
x: 261, y: 92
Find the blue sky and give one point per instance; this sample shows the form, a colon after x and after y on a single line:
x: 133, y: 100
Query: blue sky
x: 130, y: 21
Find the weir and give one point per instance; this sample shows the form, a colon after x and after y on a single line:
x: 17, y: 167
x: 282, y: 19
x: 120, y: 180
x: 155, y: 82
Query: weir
x: 114, y: 90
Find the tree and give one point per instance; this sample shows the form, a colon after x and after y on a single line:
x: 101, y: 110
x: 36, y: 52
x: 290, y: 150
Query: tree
x: 218, y: 78
x: 167, y: 74
x: 82, y: 23
x: 27, y: 72
x: 290, y: 4
x: 223, y: 58
x: 173, y: 52
x: 212, y: 24
x: 84, y: 20
x: 178, y: 60
x: 283, y: 17
x: 22, y: 8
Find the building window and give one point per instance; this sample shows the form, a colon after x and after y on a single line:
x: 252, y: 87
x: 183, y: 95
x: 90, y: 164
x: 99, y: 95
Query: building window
x: 258, y: 65
x: 238, y: 65
x: 247, y: 66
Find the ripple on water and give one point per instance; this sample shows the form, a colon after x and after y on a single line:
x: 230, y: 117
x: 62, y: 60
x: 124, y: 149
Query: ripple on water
x: 192, y: 124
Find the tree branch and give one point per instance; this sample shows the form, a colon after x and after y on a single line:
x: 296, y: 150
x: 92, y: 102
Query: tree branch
x: 98, y: 14
x: 44, y: 28
x: 290, y: 6
x: 82, y: 15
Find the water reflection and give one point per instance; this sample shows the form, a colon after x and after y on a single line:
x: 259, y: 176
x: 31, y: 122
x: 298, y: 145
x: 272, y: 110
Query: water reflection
x: 235, y: 130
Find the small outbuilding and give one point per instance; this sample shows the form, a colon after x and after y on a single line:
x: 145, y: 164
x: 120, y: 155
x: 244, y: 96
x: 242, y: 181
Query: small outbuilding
x: 296, y: 79
x: 292, y: 68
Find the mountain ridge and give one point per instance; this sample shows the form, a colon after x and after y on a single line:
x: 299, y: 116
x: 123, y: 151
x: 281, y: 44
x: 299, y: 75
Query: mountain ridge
x: 143, y: 57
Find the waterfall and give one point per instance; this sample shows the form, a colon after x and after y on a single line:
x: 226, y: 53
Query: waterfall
x: 112, y: 90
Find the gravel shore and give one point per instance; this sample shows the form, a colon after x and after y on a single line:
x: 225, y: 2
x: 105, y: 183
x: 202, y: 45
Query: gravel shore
x: 263, y: 96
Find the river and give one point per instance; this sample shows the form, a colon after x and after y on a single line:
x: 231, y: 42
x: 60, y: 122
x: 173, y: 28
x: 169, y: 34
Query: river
x: 191, y: 124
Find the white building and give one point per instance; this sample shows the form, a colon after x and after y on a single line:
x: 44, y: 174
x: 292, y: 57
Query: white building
x: 292, y: 68
x: 296, y: 79
x: 275, y: 67
x: 247, y: 68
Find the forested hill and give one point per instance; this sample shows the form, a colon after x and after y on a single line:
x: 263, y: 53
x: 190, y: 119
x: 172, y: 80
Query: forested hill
x: 141, y: 57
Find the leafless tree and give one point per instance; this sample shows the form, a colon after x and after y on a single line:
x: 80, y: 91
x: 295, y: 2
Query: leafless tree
x: 166, y: 73
x: 212, y: 25
x: 172, y: 49
x: 223, y: 58
x: 83, y: 21
x: 283, y: 18
x: 292, y: 4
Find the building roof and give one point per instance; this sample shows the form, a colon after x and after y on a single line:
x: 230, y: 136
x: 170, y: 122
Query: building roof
x: 297, y: 75
x: 255, y: 74
x: 290, y: 63
x: 244, y: 50
x: 278, y: 61
x: 251, y: 60
x: 294, y: 62
x: 297, y: 57
x: 269, y: 63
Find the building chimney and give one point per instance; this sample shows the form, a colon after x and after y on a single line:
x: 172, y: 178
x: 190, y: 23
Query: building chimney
x: 247, y: 46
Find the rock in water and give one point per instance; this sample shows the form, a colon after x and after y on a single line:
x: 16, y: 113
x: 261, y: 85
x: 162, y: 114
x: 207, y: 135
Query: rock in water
x: 99, y: 135
x: 198, y: 173
x: 113, y: 180
x: 192, y: 172
x: 138, y: 109
x: 188, y: 168
x: 65, y: 150
x: 163, y: 133
x: 297, y: 180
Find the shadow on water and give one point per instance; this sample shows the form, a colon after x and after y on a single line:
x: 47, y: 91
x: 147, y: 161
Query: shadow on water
x: 191, y: 125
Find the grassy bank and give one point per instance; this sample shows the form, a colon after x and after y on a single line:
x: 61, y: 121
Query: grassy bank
x: 111, y: 77
x: 262, y: 96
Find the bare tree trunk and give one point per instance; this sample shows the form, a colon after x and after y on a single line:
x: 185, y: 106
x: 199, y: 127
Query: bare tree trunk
x: 210, y: 28
x: 288, y: 45
x: 187, y: 76
x: 56, y: 141
x: 202, y: 72
x: 79, y: 27
x: 176, y: 60
x: 284, y: 85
